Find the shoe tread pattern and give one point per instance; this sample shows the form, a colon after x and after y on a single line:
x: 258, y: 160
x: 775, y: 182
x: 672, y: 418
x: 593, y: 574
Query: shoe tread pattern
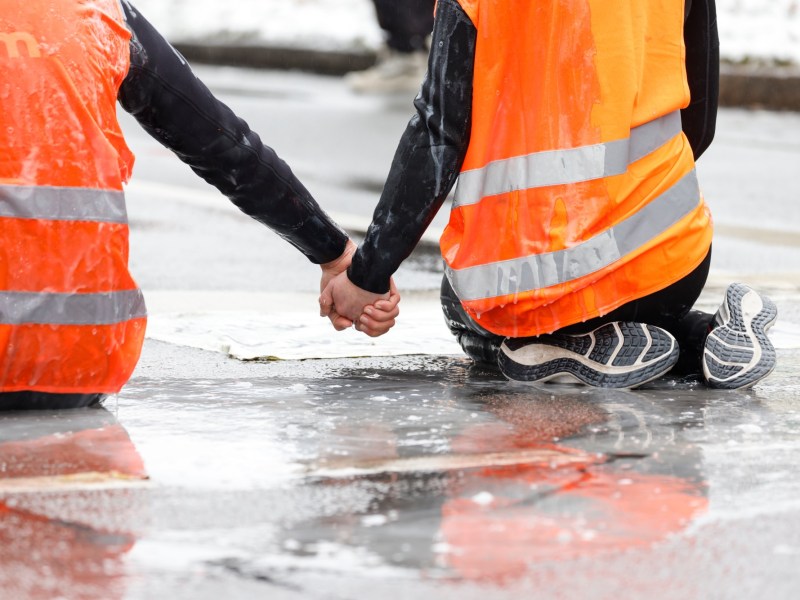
x: 579, y: 344
x: 586, y: 374
x: 606, y: 342
x: 659, y: 349
x: 660, y: 342
x: 730, y: 350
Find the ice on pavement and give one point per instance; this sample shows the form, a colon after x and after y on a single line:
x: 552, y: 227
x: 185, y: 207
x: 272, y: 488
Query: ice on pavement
x: 761, y: 30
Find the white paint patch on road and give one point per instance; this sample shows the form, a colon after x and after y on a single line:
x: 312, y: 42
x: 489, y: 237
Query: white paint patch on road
x: 293, y: 335
x: 263, y: 326
x: 75, y: 482
x: 785, y: 336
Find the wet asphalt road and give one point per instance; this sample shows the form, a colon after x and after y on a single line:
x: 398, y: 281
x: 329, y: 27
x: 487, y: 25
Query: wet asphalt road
x: 402, y: 478
x: 414, y: 476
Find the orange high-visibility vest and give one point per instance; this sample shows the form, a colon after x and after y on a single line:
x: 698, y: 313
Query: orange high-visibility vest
x: 72, y: 320
x: 578, y: 192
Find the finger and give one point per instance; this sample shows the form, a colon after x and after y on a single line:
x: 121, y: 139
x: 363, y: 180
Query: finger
x: 324, y: 311
x: 380, y: 316
x: 326, y: 301
x: 339, y: 322
x: 376, y: 332
x: 367, y: 325
x: 387, y: 306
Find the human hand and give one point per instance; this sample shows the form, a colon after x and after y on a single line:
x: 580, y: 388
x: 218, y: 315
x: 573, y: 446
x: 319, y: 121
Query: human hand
x: 329, y: 271
x: 380, y: 317
x: 372, y: 314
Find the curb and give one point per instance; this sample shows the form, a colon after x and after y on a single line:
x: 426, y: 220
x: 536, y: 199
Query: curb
x: 743, y: 86
x: 323, y: 62
x: 764, y: 87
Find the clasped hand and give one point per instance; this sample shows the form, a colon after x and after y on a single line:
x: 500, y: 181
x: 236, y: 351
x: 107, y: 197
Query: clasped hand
x: 347, y: 305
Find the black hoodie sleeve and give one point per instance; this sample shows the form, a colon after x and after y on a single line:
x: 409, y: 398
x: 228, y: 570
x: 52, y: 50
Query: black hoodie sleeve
x: 178, y: 110
x: 702, y: 68
x: 429, y: 155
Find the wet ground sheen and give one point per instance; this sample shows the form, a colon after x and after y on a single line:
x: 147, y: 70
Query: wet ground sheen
x: 401, y: 477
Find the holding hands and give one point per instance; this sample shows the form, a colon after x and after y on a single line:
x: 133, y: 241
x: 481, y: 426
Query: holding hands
x: 347, y: 305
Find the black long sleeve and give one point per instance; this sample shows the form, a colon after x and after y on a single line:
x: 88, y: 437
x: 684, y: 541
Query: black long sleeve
x: 702, y: 68
x: 429, y: 156
x: 178, y: 110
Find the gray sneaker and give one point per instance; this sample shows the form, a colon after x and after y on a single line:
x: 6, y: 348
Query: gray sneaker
x: 394, y: 72
x: 738, y: 353
x: 616, y: 355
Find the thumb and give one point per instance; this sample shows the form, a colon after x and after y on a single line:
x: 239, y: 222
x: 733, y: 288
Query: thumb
x: 326, y: 300
x: 339, y: 322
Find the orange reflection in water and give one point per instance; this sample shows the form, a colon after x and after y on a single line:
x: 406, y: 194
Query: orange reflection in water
x: 498, y: 521
x: 559, y: 514
x: 66, y: 507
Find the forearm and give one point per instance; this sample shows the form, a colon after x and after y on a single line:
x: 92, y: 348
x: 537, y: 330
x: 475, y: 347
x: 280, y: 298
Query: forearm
x: 429, y: 155
x: 178, y: 110
x: 702, y: 68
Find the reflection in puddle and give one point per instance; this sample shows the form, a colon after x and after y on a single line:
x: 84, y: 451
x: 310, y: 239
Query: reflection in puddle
x: 67, y: 497
x: 415, y: 470
x: 512, y: 491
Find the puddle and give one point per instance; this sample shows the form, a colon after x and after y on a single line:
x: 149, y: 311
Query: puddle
x: 414, y: 472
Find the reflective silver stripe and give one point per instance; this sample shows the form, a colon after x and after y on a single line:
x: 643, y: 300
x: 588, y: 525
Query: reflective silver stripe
x: 62, y: 204
x: 573, y: 165
x: 544, y: 270
x: 18, y: 308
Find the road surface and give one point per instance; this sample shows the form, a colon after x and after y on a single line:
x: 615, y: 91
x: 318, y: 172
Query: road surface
x: 338, y: 468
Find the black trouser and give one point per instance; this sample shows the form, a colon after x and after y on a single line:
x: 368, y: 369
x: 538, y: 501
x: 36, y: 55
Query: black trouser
x: 407, y: 23
x: 44, y: 401
x: 670, y: 309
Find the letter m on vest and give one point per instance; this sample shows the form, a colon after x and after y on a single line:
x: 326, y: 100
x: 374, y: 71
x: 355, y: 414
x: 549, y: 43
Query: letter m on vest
x: 10, y: 44
x: 72, y: 319
x: 578, y: 191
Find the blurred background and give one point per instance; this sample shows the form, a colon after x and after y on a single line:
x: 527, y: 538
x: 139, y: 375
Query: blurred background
x: 764, y: 32
x: 297, y: 91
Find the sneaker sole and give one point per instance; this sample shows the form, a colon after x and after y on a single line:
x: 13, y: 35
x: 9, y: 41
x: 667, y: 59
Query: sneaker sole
x: 738, y: 353
x: 616, y: 355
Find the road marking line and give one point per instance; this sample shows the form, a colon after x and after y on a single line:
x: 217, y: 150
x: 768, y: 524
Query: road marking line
x: 542, y: 457
x: 71, y: 483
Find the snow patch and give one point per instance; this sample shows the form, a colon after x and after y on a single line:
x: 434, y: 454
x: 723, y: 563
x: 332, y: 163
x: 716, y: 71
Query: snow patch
x: 750, y: 30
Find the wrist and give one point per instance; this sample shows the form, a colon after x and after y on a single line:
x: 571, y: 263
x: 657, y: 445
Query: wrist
x: 361, y: 278
x: 343, y: 259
